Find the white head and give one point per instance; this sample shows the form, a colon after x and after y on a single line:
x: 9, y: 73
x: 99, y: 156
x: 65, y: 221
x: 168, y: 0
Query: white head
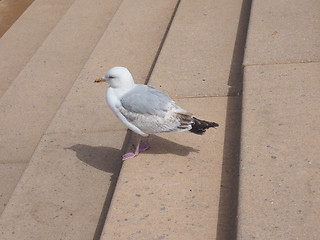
x: 118, y: 77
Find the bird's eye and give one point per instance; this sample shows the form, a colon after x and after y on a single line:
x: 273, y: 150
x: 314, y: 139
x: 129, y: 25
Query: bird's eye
x: 111, y: 77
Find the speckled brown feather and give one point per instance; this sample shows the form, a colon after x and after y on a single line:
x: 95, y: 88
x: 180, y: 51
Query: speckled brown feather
x: 185, y: 120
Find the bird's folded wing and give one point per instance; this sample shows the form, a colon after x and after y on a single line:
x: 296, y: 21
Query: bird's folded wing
x: 146, y: 100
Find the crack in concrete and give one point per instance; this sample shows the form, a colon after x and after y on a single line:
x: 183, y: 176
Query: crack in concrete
x: 280, y: 63
x: 209, y: 96
x: 84, y: 132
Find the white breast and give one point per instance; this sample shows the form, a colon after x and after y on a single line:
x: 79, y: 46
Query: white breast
x: 113, y: 100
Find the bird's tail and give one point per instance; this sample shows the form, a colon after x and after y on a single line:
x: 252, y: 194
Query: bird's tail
x: 200, y: 126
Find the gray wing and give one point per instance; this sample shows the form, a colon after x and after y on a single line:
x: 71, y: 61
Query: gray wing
x: 152, y: 111
x: 144, y: 99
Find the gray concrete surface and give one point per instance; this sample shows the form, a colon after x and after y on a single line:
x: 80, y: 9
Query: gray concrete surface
x: 27, y: 34
x: 199, y: 49
x: 283, y: 32
x: 32, y: 100
x: 184, y: 186
x: 279, y: 170
x: 50, y: 200
x: 10, y: 11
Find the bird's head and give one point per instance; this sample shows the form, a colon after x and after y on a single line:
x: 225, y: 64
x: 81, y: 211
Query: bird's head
x: 117, y: 77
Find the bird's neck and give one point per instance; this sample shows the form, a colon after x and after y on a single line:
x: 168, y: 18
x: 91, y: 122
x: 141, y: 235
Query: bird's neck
x: 120, y: 91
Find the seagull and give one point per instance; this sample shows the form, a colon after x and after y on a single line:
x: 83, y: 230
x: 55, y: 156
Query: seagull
x: 146, y: 110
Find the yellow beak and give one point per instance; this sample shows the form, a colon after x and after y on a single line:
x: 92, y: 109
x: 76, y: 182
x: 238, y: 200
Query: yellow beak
x: 99, y: 80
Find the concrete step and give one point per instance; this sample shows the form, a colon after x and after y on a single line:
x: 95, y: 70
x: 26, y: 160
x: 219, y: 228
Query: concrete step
x: 17, y: 46
x: 172, y: 191
x: 10, y: 11
x: 31, y: 101
x: 279, y: 171
x: 26, y: 35
x: 66, y: 189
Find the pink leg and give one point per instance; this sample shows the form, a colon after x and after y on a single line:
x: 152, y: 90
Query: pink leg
x: 144, y: 146
x: 140, y: 147
x: 132, y: 153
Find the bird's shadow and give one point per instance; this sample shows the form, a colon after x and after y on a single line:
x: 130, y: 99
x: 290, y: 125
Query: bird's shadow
x: 100, y: 157
x: 108, y: 159
x: 159, y: 145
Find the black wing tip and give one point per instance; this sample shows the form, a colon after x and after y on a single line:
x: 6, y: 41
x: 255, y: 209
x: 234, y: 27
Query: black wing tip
x: 199, y: 126
x: 197, y: 131
x: 214, y: 124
